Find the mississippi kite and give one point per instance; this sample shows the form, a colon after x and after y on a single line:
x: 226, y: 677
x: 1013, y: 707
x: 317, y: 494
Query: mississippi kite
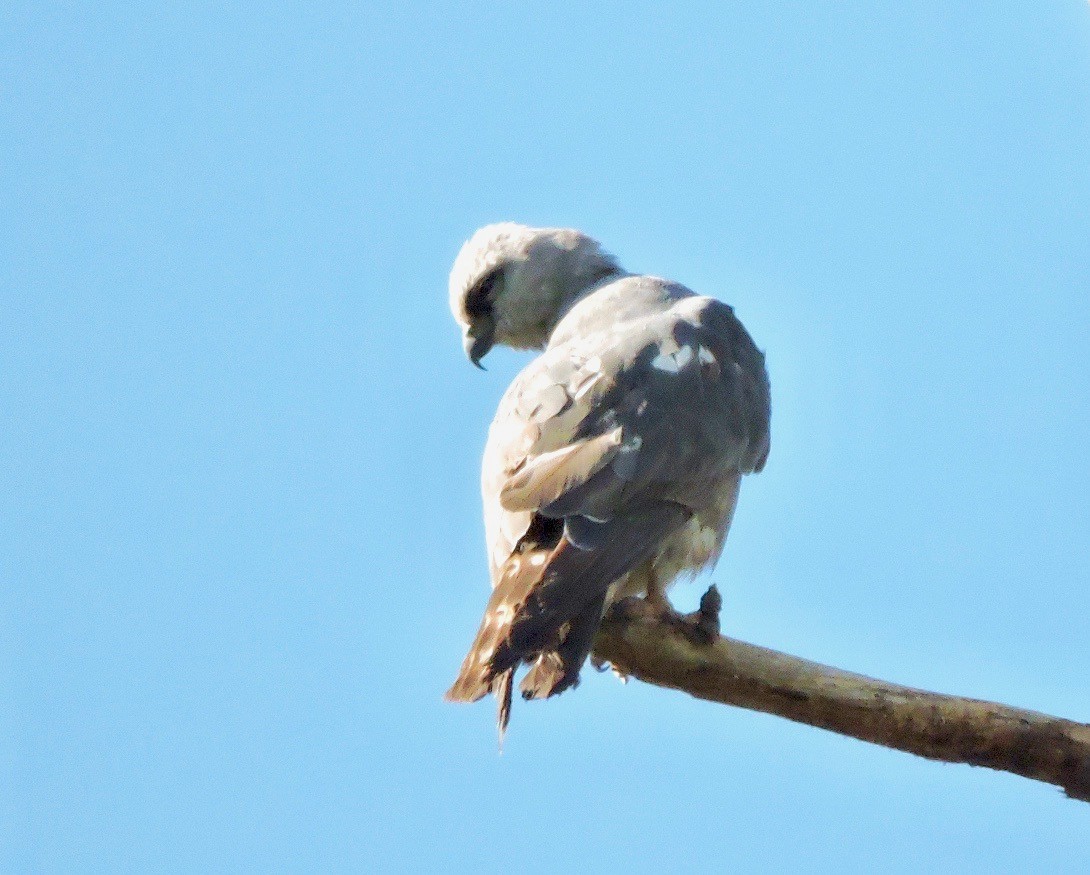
x: 614, y: 460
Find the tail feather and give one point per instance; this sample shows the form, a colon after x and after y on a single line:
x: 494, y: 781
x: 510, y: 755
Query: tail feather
x: 549, y: 601
x: 501, y: 689
x: 558, y: 670
x: 489, y: 657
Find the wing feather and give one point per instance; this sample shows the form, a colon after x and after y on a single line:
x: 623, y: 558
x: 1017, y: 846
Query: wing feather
x: 542, y: 479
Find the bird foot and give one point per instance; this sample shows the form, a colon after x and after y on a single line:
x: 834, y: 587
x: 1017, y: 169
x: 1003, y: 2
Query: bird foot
x: 700, y: 627
x: 601, y: 665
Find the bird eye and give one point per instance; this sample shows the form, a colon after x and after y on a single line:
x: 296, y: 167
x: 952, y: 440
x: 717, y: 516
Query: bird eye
x: 479, y: 297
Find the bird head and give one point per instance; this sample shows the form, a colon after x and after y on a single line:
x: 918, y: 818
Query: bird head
x: 511, y: 284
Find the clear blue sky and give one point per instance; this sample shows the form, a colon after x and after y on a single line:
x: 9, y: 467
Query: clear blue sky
x: 240, y: 542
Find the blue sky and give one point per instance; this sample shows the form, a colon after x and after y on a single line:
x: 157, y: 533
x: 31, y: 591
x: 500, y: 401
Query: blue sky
x: 241, y: 551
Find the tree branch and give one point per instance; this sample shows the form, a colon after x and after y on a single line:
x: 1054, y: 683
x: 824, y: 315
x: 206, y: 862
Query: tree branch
x: 688, y: 654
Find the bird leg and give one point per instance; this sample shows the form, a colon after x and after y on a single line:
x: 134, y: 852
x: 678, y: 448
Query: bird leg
x: 704, y: 621
x: 656, y: 594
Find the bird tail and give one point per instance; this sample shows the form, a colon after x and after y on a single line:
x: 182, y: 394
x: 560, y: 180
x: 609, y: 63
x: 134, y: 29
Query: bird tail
x: 491, y: 659
x: 548, y: 604
x: 557, y: 670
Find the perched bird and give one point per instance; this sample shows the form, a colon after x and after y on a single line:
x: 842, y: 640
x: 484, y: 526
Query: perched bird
x: 614, y: 460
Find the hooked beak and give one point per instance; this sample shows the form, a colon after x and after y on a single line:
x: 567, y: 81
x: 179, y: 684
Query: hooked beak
x: 478, y: 340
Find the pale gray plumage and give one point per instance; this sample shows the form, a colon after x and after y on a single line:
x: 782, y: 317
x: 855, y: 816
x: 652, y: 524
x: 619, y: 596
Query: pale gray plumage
x: 614, y: 459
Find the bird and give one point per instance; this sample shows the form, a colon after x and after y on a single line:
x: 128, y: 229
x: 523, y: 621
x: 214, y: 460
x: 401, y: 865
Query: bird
x: 613, y: 464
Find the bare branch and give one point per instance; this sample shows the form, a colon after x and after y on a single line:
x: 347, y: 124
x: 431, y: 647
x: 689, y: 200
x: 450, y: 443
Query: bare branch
x: 687, y: 654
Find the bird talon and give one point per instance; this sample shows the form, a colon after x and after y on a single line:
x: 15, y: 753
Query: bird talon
x: 702, y: 625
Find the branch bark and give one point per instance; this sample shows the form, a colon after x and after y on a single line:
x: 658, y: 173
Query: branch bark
x: 688, y: 654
